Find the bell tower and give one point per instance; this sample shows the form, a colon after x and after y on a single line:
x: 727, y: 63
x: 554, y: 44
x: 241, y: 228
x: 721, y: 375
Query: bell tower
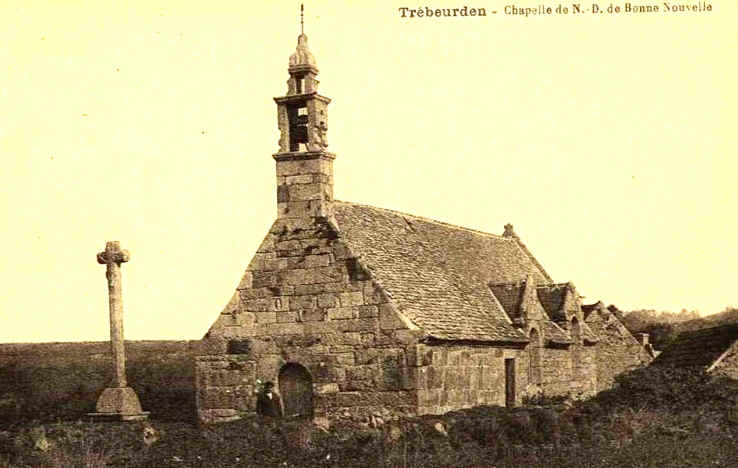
x: 304, y: 167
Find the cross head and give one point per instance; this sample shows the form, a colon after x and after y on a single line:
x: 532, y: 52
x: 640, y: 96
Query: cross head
x: 113, y: 254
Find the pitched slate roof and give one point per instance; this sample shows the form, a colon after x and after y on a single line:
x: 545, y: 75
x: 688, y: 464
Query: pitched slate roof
x: 437, y: 274
x: 698, y: 347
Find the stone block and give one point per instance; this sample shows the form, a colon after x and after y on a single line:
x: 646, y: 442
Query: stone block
x: 311, y: 315
x: 264, y: 279
x: 266, y: 246
x: 289, y: 316
x: 265, y: 317
x: 306, y: 192
x: 323, y: 388
x: 299, y: 179
x: 406, y: 337
x: 367, y: 339
x: 357, y: 385
x: 340, y: 359
x: 340, y: 313
x: 311, y: 275
x: 361, y: 373
x: 388, y: 319
x: 255, y: 293
x: 352, y: 338
x: 298, y: 209
x: 263, y: 347
x: 439, y: 356
x: 349, y: 299
x: 317, y: 246
x: 327, y: 300
x: 308, y: 166
x: 368, y: 311
x: 318, y: 327
x: 354, y: 325
x: 267, y: 367
x: 302, y: 302
x: 465, y: 358
x: 373, y: 294
x: 307, y: 261
x: 246, y: 280
x: 274, y: 329
x: 324, y: 372
x: 366, y: 356
x: 454, y: 358
x: 341, y: 251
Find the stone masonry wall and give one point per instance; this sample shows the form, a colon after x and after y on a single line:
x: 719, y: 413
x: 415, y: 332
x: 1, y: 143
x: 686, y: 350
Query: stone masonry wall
x: 617, y: 351
x: 556, y: 375
x: 306, y: 299
x: 454, y: 377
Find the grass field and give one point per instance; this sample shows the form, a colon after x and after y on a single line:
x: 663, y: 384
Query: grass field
x: 52, y: 381
x: 655, y: 418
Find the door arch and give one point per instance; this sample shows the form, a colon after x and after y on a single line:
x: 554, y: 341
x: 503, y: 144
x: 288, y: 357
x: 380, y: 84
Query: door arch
x: 296, y: 389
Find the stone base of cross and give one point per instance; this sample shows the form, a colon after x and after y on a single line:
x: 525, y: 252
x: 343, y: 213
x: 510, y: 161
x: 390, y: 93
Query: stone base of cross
x: 119, y: 404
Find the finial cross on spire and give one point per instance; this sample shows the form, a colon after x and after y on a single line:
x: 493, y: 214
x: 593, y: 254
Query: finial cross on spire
x: 302, y: 18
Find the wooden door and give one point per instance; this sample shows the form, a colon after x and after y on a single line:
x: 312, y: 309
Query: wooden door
x: 510, y: 383
x: 296, y: 389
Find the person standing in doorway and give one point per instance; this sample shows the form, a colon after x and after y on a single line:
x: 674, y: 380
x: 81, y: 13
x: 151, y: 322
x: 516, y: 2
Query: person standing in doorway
x: 269, y: 403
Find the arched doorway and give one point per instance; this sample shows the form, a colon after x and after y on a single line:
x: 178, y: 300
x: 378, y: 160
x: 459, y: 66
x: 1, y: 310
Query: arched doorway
x: 296, y: 388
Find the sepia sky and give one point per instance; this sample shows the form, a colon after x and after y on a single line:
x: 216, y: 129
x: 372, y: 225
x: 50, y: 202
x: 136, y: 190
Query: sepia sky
x: 608, y: 141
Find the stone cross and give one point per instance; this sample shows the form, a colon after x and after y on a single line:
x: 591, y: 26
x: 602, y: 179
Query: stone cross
x: 113, y: 256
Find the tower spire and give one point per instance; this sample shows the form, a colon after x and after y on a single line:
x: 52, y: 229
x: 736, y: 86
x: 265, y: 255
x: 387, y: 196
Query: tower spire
x: 302, y: 19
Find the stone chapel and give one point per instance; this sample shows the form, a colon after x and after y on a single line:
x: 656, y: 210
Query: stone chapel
x: 347, y: 307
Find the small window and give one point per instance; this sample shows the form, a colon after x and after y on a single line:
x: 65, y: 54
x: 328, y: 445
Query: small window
x: 239, y: 347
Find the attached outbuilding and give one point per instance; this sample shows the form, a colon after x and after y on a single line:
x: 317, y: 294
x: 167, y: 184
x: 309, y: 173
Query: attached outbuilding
x: 712, y: 349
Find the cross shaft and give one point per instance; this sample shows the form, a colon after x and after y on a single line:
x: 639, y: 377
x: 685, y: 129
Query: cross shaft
x: 113, y: 256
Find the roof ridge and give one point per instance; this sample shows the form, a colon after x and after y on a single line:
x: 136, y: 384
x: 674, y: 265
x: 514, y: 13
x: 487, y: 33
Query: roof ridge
x: 430, y: 220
